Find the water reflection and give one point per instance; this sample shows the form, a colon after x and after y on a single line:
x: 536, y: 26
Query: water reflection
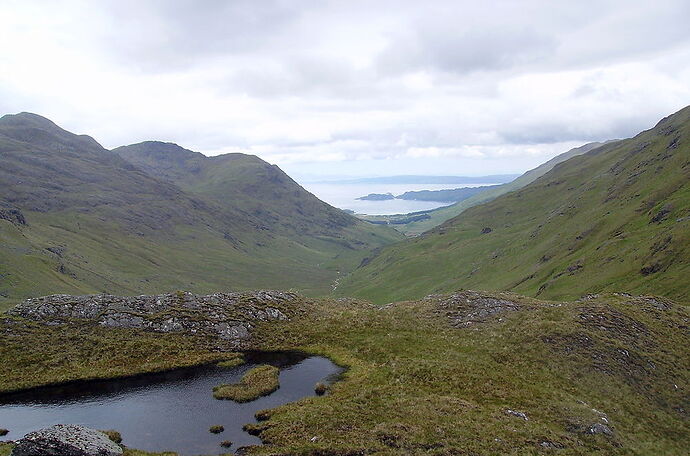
x: 169, y: 411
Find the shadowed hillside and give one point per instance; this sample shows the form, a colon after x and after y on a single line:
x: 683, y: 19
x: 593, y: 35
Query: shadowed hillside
x: 616, y: 218
x: 77, y: 218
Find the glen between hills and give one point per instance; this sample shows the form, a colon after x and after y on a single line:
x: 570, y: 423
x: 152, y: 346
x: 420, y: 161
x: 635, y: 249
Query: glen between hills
x: 616, y: 218
x: 77, y: 218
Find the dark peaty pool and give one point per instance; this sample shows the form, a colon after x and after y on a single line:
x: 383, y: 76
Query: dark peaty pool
x: 169, y: 411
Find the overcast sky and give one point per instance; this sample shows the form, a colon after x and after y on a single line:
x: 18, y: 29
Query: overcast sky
x: 350, y: 87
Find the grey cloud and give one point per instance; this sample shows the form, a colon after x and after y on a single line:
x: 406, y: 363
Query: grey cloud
x: 450, y: 49
x: 166, y: 35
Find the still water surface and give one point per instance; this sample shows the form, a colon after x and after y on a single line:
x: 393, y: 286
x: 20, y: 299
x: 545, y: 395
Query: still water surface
x: 169, y: 411
x: 344, y: 196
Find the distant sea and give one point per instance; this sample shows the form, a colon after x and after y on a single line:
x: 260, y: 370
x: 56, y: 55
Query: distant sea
x: 344, y: 196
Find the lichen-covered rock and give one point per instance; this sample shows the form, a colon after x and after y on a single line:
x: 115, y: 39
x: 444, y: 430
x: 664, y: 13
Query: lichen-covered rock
x: 229, y: 316
x: 66, y: 440
x: 469, y: 307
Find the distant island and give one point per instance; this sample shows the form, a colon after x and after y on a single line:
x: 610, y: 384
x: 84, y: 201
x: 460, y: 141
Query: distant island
x: 453, y: 195
x: 415, y: 179
x: 377, y: 197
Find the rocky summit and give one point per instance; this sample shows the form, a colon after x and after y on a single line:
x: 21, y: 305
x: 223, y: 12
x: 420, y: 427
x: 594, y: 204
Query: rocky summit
x: 229, y: 316
x: 66, y: 440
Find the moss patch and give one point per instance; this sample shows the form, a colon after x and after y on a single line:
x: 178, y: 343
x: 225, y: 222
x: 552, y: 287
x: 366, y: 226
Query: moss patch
x: 216, y: 429
x: 257, y: 382
x: 234, y: 362
x: 33, y: 354
x: 113, y: 435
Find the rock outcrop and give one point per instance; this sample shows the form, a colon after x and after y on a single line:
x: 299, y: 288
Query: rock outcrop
x: 466, y: 308
x: 229, y: 316
x: 66, y: 440
x: 13, y: 216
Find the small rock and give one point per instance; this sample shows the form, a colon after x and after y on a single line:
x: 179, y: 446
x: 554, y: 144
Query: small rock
x: 66, y: 440
x: 517, y: 414
x: 598, y: 428
x: 486, y: 230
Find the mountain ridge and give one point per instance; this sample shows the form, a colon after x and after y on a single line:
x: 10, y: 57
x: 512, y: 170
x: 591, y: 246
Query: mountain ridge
x: 614, y: 218
x: 77, y: 218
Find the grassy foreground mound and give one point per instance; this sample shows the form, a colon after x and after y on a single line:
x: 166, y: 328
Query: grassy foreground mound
x: 468, y: 373
x: 258, y: 381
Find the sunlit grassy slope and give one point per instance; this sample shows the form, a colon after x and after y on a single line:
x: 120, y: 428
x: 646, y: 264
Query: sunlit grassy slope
x: 95, y: 222
x: 616, y: 218
x: 426, y: 220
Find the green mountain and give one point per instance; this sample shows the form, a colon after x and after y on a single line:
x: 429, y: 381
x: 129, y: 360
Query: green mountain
x: 418, y: 222
x: 614, y: 218
x: 263, y: 191
x: 77, y: 218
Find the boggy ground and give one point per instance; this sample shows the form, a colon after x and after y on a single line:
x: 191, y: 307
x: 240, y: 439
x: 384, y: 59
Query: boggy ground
x: 465, y: 374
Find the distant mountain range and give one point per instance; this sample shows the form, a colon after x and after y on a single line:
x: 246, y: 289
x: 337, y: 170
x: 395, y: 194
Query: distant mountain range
x: 615, y: 218
x: 151, y: 217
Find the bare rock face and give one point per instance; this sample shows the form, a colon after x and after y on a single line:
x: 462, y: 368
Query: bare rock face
x: 228, y: 316
x: 466, y: 308
x: 66, y: 440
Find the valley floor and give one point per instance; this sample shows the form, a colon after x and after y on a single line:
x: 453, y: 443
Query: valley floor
x: 445, y: 375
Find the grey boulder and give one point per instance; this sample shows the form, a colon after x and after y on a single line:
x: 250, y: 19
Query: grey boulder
x: 66, y: 440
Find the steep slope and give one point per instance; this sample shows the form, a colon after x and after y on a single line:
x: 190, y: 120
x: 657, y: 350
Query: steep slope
x: 75, y: 217
x: 233, y: 180
x: 616, y: 218
x: 436, y: 217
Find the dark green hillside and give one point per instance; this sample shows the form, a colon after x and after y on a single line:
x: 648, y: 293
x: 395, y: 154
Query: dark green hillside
x: 246, y: 181
x: 616, y: 218
x: 77, y: 218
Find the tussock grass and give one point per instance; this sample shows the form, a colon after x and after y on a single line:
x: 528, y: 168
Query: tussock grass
x: 258, y: 381
x: 320, y: 389
x: 416, y: 384
x: 233, y: 362
x: 113, y: 435
x: 216, y: 429
x: 34, y: 355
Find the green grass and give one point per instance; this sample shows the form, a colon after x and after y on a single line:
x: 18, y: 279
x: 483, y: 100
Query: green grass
x: 113, y: 435
x: 438, y: 216
x: 586, y: 226
x: 95, y: 223
x: 258, y: 381
x: 416, y: 384
x: 36, y: 355
x: 234, y: 362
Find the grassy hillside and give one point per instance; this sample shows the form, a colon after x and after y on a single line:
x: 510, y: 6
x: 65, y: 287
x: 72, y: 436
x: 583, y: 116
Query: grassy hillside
x: 606, y: 375
x: 77, y: 218
x: 426, y: 220
x: 616, y: 218
x: 243, y: 181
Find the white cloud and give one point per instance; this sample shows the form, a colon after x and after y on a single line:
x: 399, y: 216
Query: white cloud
x: 444, y: 87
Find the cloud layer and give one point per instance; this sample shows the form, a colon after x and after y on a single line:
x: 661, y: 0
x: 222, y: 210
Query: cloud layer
x: 358, y: 87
